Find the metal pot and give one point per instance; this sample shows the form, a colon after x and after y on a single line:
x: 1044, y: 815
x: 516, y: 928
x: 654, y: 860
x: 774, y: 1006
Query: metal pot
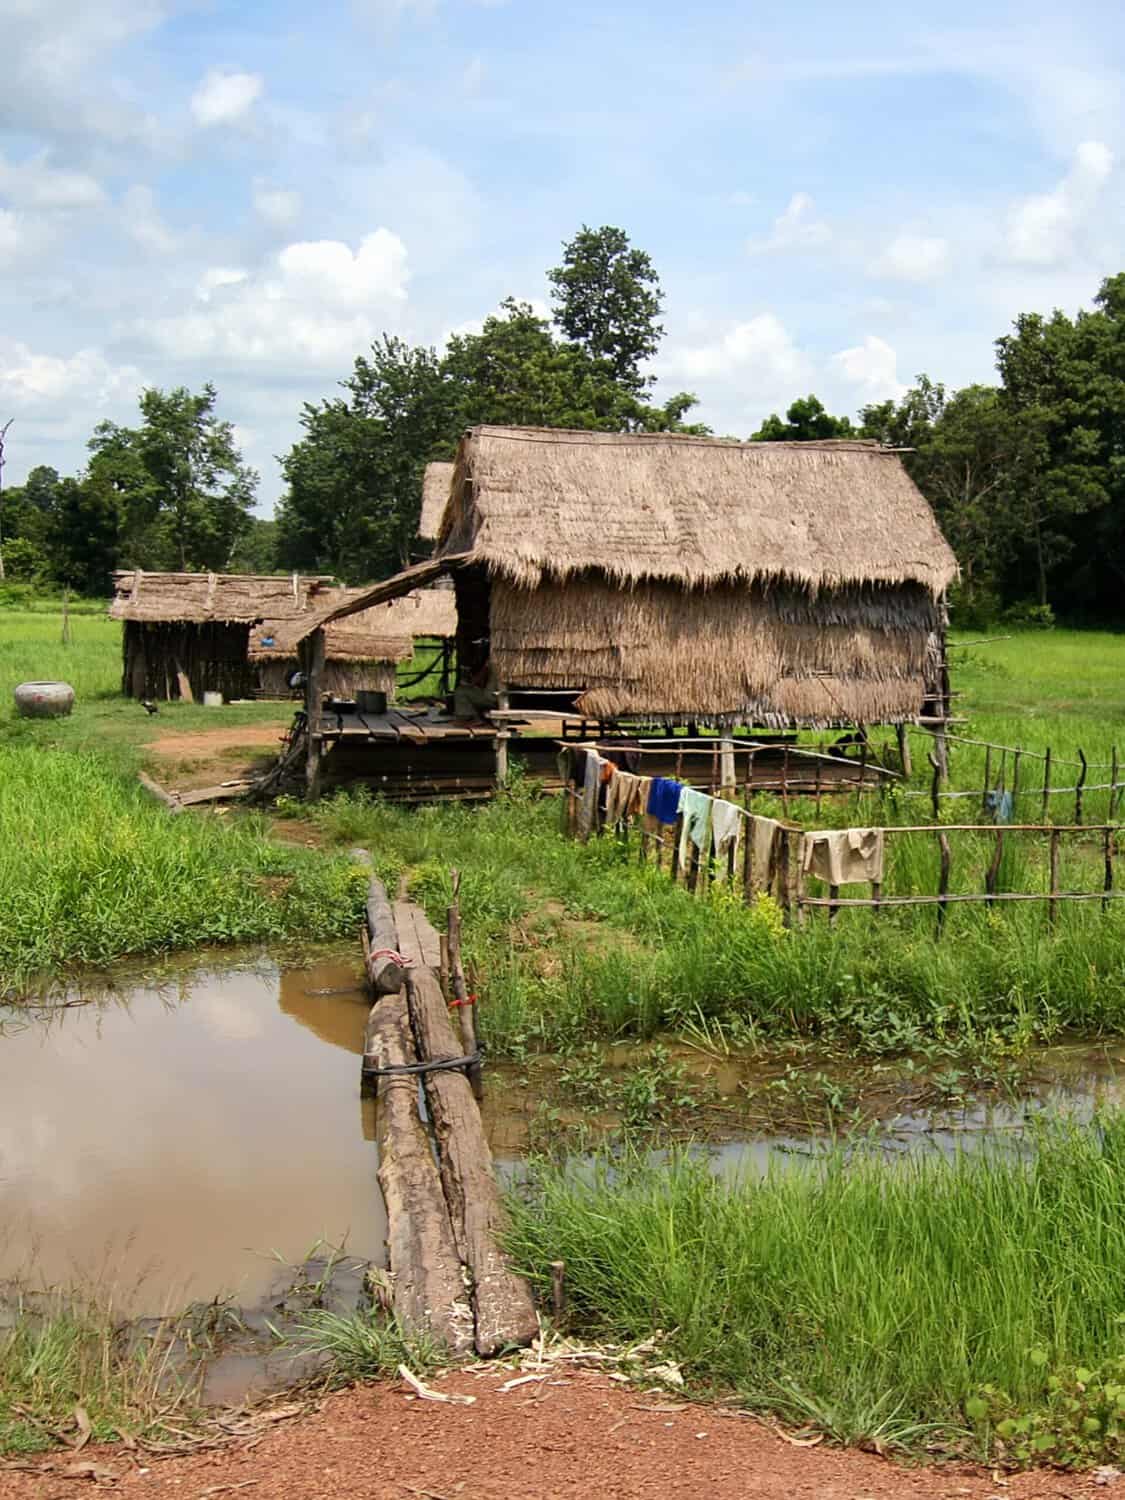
x: 44, y: 700
x: 370, y: 701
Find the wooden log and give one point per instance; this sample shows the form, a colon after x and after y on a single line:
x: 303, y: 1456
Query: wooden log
x: 385, y: 973
x: 502, y: 1301
x: 428, y: 1288
x: 418, y: 940
x: 155, y: 790
x: 466, y: 1004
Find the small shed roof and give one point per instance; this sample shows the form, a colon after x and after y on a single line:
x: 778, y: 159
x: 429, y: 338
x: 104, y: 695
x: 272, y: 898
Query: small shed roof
x: 361, y: 631
x: 203, y: 598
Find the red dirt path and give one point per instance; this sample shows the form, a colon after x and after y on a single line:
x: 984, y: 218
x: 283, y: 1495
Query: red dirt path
x: 572, y: 1436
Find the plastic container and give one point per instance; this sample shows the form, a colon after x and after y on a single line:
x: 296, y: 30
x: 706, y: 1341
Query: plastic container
x: 212, y: 700
x: 44, y: 700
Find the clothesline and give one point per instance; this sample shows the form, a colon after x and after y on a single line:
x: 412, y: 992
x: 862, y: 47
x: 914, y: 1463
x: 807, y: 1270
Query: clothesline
x: 716, y: 749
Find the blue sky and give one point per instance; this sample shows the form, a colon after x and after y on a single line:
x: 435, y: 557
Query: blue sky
x: 836, y: 198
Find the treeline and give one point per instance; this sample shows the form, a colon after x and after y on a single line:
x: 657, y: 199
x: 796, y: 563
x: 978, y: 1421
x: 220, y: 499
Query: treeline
x: 1027, y: 477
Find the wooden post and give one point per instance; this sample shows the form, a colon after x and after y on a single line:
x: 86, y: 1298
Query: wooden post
x: 677, y: 829
x: 748, y: 862
x: 466, y: 1004
x: 66, y: 617
x: 785, y: 890
x: 943, y: 878
x: 935, y: 786
x: 904, y: 751
x: 817, y: 774
x: 993, y: 871
x: 833, y: 910
x: 749, y: 777
x: 785, y: 779
x: 1047, y: 784
x: 694, y: 855
x: 987, y: 781
x: 1107, y: 851
x: 1078, y: 787
x: 1113, y: 792
x: 728, y: 775
x: 314, y: 676
x: 1016, y: 784
x: 877, y: 895
x: 1053, y: 905
x: 799, y: 882
x: 558, y: 1299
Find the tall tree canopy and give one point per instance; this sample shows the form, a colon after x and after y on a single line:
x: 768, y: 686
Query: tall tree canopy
x: 607, y: 300
x: 805, y: 420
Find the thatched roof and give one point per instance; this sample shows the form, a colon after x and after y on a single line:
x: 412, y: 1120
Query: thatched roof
x: 435, y: 492
x: 533, y: 503
x: 380, y: 632
x: 203, y: 598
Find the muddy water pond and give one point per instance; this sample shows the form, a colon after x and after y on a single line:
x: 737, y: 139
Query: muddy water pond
x: 172, y: 1140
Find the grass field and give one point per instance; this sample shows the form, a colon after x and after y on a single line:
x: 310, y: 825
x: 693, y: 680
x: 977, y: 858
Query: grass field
x: 936, y: 1298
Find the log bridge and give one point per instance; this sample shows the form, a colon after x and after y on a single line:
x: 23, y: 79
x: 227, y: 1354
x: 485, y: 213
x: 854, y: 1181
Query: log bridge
x: 450, y: 1278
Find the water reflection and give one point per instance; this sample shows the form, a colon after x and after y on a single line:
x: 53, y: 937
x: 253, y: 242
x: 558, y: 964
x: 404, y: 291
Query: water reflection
x: 171, y: 1138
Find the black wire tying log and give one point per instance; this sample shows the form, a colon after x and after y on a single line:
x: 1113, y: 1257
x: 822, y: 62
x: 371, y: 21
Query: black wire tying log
x: 443, y: 1065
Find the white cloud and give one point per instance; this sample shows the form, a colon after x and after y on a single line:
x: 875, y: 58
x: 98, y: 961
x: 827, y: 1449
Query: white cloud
x: 277, y: 206
x: 141, y: 220
x: 217, y: 277
x: 19, y: 237
x: 871, y: 369
x: 1042, y: 229
x: 225, y: 97
x: 759, y: 352
x: 797, y: 228
x: 913, y: 257
x: 36, y: 183
x: 38, y: 382
x: 318, y: 301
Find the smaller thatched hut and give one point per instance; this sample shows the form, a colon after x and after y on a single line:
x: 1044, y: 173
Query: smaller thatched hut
x: 360, y: 652
x: 188, y: 633
x: 435, y: 493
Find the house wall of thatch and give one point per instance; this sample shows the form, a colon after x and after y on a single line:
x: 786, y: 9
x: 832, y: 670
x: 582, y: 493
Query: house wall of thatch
x: 769, y: 656
x: 211, y: 655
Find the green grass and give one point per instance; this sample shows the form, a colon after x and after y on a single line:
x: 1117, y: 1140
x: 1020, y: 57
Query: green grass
x: 870, y: 1301
x: 91, y: 868
x: 61, y: 1357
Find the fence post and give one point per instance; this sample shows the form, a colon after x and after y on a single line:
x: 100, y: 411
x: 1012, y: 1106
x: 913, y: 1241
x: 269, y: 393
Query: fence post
x: 943, y: 880
x: 1107, y: 847
x: 833, y: 910
x: 993, y: 871
x: 1047, y: 784
x: 935, y: 787
x: 784, y: 888
x: 1113, y: 795
x: 987, y: 780
x: 677, y: 829
x: 1078, y: 788
x: 1016, y: 784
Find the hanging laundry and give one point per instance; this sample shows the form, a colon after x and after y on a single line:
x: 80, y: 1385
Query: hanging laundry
x: 763, y: 838
x: 622, y: 796
x: 695, y: 809
x: 591, y: 785
x: 844, y: 856
x: 726, y: 831
x: 625, y: 755
x: 999, y: 804
x: 664, y: 799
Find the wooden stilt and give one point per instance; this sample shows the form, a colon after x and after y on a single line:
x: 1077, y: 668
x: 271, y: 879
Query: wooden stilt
x: 314, y: 676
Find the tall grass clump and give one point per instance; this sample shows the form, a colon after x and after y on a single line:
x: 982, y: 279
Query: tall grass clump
x: 92, y: 869
x: 868, y: 1297
x: 65, y: 1366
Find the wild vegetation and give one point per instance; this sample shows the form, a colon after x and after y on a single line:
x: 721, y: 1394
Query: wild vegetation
x: 972, y: 1301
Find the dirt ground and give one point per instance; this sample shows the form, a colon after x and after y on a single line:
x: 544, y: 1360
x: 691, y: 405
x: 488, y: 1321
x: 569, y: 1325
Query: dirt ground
x: 563, y: 1436
x: 208, y: 757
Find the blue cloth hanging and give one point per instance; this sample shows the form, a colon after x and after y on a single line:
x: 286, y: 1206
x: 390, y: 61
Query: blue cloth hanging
x: 664, y: 799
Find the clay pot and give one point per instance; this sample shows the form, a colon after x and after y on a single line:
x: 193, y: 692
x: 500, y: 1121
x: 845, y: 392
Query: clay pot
x: 44, y: 700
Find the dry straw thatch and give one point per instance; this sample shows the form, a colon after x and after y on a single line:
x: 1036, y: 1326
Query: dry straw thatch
x: 206, y: 598
x: 435, y: 492
x: 533, y: 503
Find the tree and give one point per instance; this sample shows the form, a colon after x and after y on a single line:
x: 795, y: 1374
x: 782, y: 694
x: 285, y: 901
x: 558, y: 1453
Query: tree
x: 86, y: 533
x: 355, y: 479
x: 607, y: 300
x: 185, y: 494
x: 256, y: 549
x: 805, y: 421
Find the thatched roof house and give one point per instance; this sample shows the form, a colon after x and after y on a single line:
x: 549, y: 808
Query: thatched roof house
x: 361, y: 650
x: 188, y: 633
x: 678, y: 578
x: 435, y: 493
